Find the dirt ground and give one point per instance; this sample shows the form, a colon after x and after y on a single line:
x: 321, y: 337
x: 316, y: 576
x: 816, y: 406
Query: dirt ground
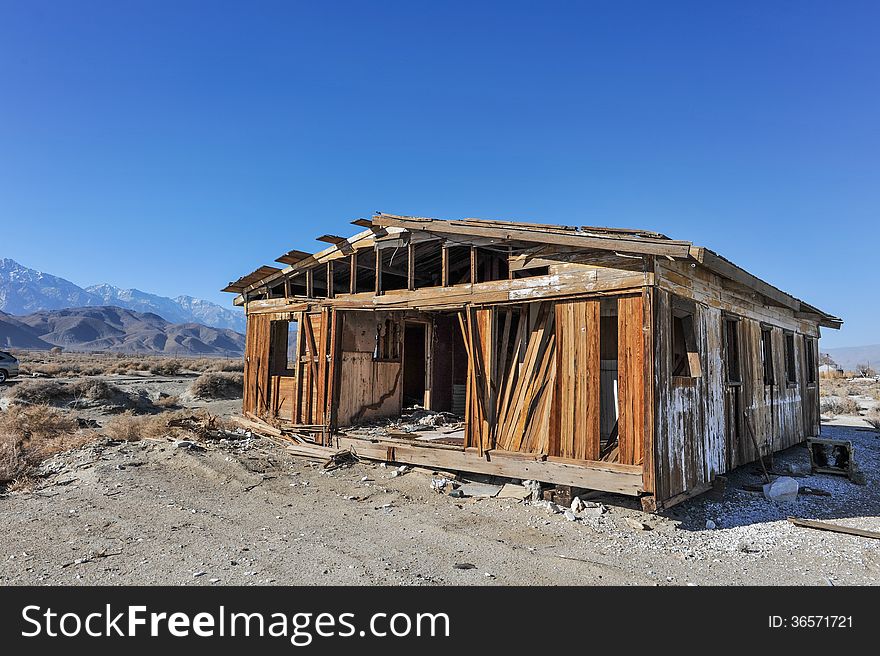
x: 244, y: 511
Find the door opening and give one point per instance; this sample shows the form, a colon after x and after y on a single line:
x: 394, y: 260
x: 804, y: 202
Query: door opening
x: 414, y: 364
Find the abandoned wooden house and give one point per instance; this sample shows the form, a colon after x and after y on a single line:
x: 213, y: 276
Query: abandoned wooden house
x: 600, y: 358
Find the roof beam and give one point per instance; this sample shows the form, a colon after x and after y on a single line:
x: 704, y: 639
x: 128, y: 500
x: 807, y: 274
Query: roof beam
x: 512, y: 232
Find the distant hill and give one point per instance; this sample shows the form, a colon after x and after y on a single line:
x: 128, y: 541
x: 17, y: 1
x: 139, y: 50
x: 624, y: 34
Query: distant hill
x: 849, y: 356
x: 13, y: 334
x: 117, y: 330
x: 24, y: 290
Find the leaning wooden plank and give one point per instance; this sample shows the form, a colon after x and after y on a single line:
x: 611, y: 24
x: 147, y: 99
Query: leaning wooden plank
x: 513, y: 438
x: 510, y: 382
x: 835, y: 528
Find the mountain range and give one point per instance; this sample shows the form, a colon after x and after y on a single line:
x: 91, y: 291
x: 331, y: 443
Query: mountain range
x: 24, y: 291
x: 118, y: 330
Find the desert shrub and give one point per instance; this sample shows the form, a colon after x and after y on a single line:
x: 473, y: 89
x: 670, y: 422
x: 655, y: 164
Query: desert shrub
x: 86, y: 391
x: 39, y: 392
x: 30, y: 434
x: 163, y: 367
x: 167, y: 401
x: 840, y: 406
x: 229, y: 365
x: 217, y: 385
x: 98, y: 390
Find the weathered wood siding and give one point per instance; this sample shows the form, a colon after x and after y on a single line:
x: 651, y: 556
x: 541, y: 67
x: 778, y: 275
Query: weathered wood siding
x: 575, y: 431
x: 703, y: 424
x: 689, y: 428
x: 256, y: 398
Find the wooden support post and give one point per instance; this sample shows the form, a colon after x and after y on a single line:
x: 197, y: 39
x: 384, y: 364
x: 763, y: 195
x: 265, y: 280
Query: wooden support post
x: 287, y: 287
x: 444, y: 258
x: 473, y: 264
x: 378, y: 290
x: 310, y: 290
x: 330, y: 290
x: 353, y: 267
x: 509, y: 258
x: 411, y: 266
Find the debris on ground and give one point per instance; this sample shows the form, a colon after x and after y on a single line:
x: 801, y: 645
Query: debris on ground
x: 535, y: 488
x: 484, y: 490
x: 782, y: 490
x: 513, y: 491
x: 343, y: 458
x: 411, y: 420
x: 400, y: 471
x: 636, y: 524
x: 440, y: 484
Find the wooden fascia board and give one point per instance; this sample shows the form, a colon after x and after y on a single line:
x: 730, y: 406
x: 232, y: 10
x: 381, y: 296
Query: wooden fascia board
x: 675, y: 249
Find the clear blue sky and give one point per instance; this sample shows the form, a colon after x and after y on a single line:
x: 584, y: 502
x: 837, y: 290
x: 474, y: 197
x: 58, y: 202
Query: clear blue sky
x: 173, y: 146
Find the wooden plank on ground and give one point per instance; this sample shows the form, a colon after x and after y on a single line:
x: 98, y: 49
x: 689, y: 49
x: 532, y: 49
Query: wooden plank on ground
x: 835, y: 528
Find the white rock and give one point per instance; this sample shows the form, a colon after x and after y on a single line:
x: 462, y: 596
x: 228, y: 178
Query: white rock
x: 783, y: 490
x: 569, y: 515
x: 710, y: 524
x: 577, y: 505
x: 636, y: 524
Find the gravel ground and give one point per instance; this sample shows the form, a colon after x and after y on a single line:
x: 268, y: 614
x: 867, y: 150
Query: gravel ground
x: 246, y: 512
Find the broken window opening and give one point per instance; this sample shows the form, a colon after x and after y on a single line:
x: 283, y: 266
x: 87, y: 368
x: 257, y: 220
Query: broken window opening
x: 277, y: 291
x: 459, y: 265
x: 282, y: 348
x: 767, y: 354
x: 394, y: 263
x: 298, y: 285
x: 341, y: 276
x: 491, y: 265
x: 387, y: 341
x: 319, y: 280
x: 790, y: 368
x: 731, y: 351
x: 532, y: 272
x: 428, y: 266
x: 810, y: 359
x: 685, y: 355
x: 365, y: 267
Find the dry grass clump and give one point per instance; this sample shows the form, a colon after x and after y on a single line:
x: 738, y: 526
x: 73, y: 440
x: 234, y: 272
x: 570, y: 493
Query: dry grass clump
x: 129, y: 427
x: 31, y: 434
x: 873, y: 418
x: 840, y: 406
x: 217, y: 385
